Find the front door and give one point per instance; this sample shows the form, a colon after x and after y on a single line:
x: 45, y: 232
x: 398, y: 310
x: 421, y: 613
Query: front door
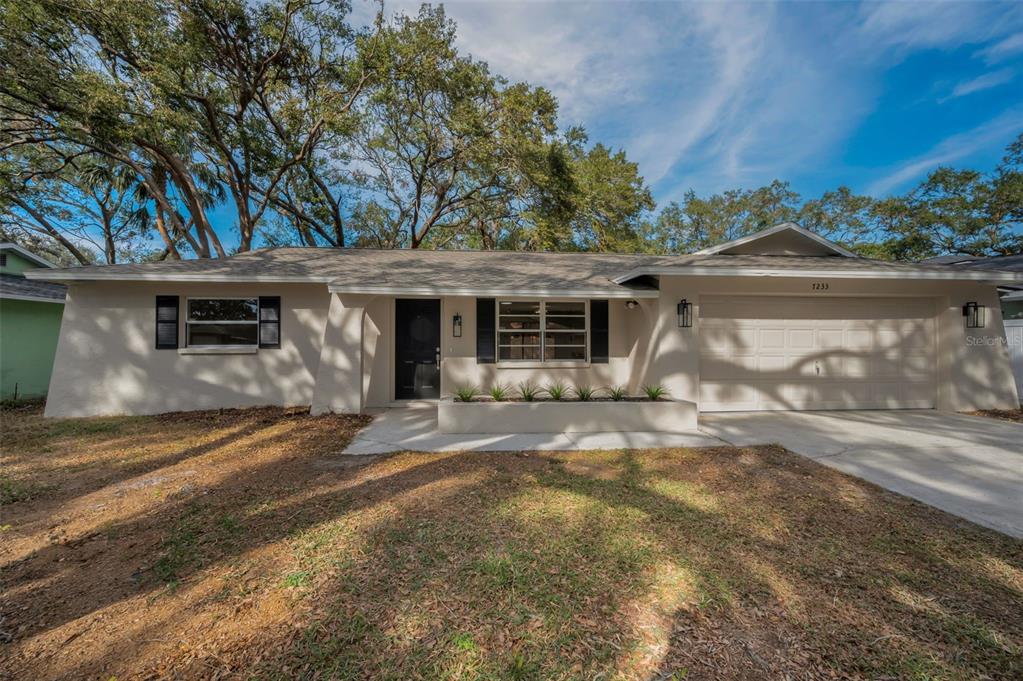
x: 416, y: 349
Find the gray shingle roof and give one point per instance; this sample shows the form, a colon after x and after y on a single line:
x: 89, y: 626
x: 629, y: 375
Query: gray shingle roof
x: 369, y: 270
x: 14, y: 286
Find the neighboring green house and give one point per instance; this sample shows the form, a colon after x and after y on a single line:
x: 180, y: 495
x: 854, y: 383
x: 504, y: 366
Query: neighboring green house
x: 30, y: 313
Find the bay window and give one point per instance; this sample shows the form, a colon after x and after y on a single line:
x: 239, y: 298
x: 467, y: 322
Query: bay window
x: 542, y: 331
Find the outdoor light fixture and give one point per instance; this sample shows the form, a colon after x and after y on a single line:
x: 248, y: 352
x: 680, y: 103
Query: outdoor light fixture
x: 631, y: 304
x: 456, y: 328
x: 974, y: 314
x: 685, y: 314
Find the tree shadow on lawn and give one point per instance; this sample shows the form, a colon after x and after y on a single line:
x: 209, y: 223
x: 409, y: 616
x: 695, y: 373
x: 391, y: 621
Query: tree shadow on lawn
x: 726, y: 563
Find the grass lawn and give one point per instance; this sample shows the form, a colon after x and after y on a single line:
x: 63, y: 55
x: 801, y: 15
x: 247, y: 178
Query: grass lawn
x: 241, y: 545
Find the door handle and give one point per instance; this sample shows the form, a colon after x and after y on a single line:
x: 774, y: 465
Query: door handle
x: 437, y: 357
x: 817, y: 368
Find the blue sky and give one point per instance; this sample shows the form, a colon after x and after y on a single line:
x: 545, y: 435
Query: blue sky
x: 713, y: 96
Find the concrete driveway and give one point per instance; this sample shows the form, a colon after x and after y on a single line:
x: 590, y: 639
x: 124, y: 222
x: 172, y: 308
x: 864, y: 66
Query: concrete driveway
x: 970, y: 466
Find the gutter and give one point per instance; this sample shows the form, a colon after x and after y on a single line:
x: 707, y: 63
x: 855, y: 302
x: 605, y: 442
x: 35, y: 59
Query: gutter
x: 926, y: 275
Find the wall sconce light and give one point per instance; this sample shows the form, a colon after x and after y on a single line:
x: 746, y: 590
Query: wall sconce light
x: 631, y: 304
x: 974, y: 314
x: 685, y: 314
x: 456, y: 327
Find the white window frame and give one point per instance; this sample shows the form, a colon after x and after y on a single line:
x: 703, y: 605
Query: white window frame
x: 542, y: 331
x: 189, y: 322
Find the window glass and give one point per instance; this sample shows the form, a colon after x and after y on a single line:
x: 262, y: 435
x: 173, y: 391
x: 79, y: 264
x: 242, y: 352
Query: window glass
x: 223, y: 309
x: 223, y: 321
x: 542, y: 331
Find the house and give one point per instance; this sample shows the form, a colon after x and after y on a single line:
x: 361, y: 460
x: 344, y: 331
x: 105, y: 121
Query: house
x: 782, y: 319
x: 30, y: 313
x: 1011, y: 300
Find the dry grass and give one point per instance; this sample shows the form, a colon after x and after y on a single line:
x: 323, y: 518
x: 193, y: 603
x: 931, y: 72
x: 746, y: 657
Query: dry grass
x: 1015, y: 415
x: 241, y: 545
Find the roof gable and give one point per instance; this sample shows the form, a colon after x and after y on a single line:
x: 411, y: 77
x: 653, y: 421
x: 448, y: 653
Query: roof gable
x: 25, y: 254
x: 787, y: 238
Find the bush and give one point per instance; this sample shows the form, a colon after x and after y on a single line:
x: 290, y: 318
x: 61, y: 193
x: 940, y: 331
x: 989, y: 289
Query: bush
x: 654, y: 392
x: 499, y: 392
x: 584, y: 393
x: 466, y: 393
x: 617, y: 393
x: 528, y: 391
x: 557, y: 391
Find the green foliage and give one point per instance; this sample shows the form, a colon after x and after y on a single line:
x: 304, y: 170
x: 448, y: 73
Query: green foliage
x: 528, y: 392
x: 654, y: 392
x: 617, y: 393
x: 466, y: 393
x: 556, y: 391
x: 499, y: 392
x: 584, y: 392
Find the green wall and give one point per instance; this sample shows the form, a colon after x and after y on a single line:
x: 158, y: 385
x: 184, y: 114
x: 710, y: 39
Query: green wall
x: 28, y: 341
x: 16, y: 264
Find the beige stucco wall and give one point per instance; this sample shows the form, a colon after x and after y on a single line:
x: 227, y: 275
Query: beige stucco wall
x: 106, y: 362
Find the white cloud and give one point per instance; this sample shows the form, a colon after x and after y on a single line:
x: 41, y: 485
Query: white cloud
x: 1003, y: 49
x: 994, y: 133
x: 982, y: 82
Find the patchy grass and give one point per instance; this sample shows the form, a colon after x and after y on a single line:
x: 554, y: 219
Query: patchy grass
x: 240, y: 544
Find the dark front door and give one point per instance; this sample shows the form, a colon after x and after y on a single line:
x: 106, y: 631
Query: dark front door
x: 416, y: 349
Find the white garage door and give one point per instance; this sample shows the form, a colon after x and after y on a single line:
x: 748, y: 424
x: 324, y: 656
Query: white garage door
x: 760, y: 353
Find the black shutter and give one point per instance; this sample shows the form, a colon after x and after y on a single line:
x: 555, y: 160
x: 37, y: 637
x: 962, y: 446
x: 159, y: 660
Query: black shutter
x: 486, y: 339
x: 599, y: 332
x: 166, y: 322
x: 269, y: 321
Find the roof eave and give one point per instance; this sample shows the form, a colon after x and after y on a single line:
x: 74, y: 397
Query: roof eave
x: 510, y: 292
x: 697, y: 271
x: 66, y: 275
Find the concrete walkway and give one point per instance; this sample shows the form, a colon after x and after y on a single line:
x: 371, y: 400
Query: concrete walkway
x: 969, y: 466
x: 415, y: 428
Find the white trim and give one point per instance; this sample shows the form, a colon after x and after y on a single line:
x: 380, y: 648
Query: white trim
x: 219, y: 350
x: 1013, y: 297
x: 785, y: 226
x: 698, y: 271
x: 25, y: 253
x: 35, y: 299
x: 624, y: 293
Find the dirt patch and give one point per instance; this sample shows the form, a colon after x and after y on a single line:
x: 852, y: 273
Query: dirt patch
x: 240, y: 544
x: 1015, y: 415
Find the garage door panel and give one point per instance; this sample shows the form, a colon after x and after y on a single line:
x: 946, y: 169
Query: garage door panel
x: 808, y: 353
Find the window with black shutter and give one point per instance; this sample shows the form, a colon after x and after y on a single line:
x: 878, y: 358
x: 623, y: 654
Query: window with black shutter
x: 270, y: 322
x: 599, y: 332
x: 166, y: 322
x: 486, y: 333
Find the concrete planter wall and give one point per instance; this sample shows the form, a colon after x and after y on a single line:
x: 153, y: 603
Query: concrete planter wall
x: 565, y: 417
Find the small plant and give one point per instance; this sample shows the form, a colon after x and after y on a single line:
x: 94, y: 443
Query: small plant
x: 528, y: 392
x: 499, y: 392
x: 466, y: 393
x: 584, y: 392
x: 654, y: 392
x: 556, y: 391
x: 617, y: 393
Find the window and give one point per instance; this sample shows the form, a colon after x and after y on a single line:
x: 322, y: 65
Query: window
x: 541, y: 331
x: 3, y: 260
x: 222, y: 321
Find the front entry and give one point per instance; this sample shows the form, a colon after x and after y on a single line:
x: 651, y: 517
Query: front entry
x: 416, y: 349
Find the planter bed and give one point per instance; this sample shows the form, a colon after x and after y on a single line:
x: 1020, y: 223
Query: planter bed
x: 553, y: 416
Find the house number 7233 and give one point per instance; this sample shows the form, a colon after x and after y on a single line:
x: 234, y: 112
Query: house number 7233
x: 820, y: 286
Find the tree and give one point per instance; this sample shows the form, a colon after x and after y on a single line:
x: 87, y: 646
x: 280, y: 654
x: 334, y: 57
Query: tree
x: 446, y: 145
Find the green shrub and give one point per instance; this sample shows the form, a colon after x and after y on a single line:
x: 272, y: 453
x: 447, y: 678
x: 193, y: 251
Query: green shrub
x: 556, y: 391
x: 654, y: 392
x: 466, y: 393
x: 499, y: 392
x: 617, y: 393
x: 584, y: 392
x: 528, y: 392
